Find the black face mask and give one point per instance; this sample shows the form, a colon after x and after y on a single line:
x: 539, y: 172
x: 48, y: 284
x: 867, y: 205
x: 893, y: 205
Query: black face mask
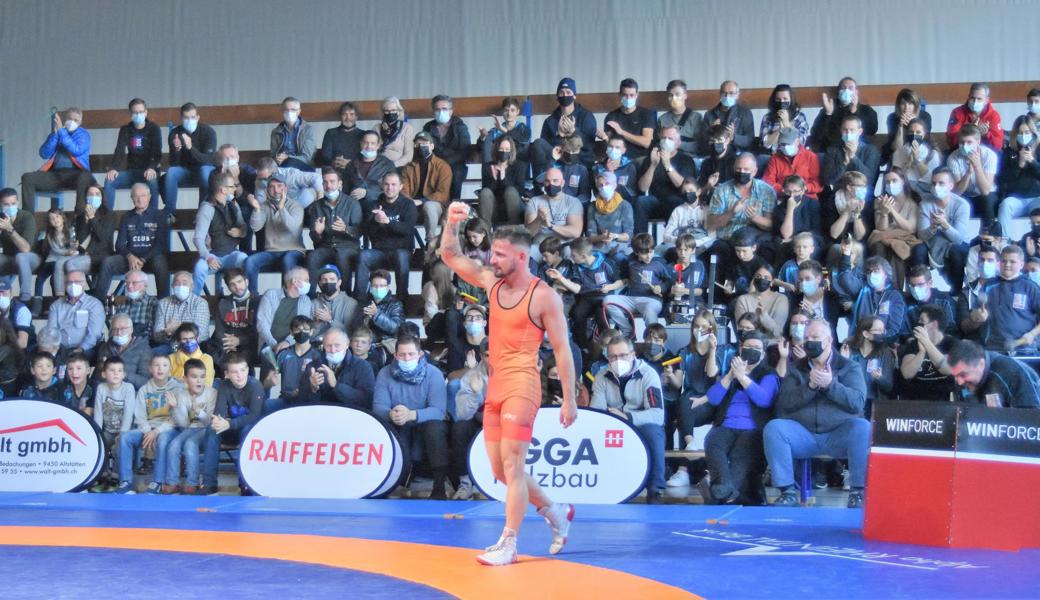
x: 553, y: 190
x: 718, y: 147
x: 425, y: 152
x: 567, y: 158
x: 917, y: 138
x: 742, y: 178
x: 761, y: 284
x: 329, y: 288
x: 555, y: 387
x: 390, y: 118
x: 302, y: 337
x: 813, y: 349
x: 1036, y: 230
x: 690, y: 197
x: 502, y: 155
x: 565, y: 101
x: 751, y: 355
x: 782, y: 105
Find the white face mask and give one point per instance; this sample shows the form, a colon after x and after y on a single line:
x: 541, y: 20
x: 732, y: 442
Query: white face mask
x: 621, y: 367
x: 135, y: 295
x: 71, y: 125
x: 74, y: 290
x: 181, y: 292
x: 5, y: 303
x: 303, y: 287
x: 290, y: 117
x: 335, y: 358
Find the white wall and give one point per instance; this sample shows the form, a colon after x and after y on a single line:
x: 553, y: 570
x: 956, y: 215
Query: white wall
x: 99, y: 54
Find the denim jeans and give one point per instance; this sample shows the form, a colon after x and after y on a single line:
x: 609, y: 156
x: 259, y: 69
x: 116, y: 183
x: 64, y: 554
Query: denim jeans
x: 211, y: 460
x: 131, y: 441
x: 261, y: 260
x: 400, y: 261
x: 203, y: 270
x: 653, y: 434
x: 786, y: 440
x: 1013, y: 208
x: 125, y: 180
x: 176, y: 176
x: 188, y: 442
x: 648, y: 307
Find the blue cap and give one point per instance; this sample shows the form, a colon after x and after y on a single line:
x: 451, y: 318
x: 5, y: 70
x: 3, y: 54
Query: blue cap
x: 330, y: 269
x: 567, y: 83
x: 5, y: 284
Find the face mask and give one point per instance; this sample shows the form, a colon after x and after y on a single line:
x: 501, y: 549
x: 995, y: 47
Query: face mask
x: 390, y: 118
x: 380, y: 292
x: 408, y: 365
x: 728, y: 101
x: 919, y: 292
x: 861, y: 192
x: 798, y: 331
x: 606, y: 192
x: 190, y: 346
x: 425, y: 152
x: 988, y: 270
x: 138, y: 118
x: 783, y: 105
x: 74, y: 290
x: 718, y: 147
x: 121, y: 340
x: 241, y: 296
x: 303, y: 287
x: 845, y: 96
x: 761, y: 284
x: 5, y: 302
x: 628, y: 102
x: 302, y: 337
x: 369, y: 154
x: 567, y: 158
x: 916, y: 138
x: 474, y: 329
x: 789, y: 149
x: 565, y: 101
x: 702, y: 337
x: 667, y: 144
x: 71, y: 125
x: 967, y: 149
x: 877, y: 280
x: 190, y: 125
x: 1034, y: 108
x: 1034, y: 276
x: 1036, y: 230
x: 614, y: 153
x: 332, y: 195
x: 1024, y: 139
x: 335, y: 358
x: 290, y: 117
x: 621, y: 367
x: 690, y: 197
x: 94, y: 201
x: 977, y: 106
x: 742, y: 177
x: 329, y: 288
x: 442, y: 116
x: 894, y: 188
x: 181, y: 292
x: 11, y: 211
x: 553, y: 190
x: 231, y: 163
x: 813, y: 349
x: 940, y: 191
x: 135, y: 295
x: 751, y: 355
x: 656, y: 349
x: 810, y: 287
x: 850, y: 137
x: 502, y: 155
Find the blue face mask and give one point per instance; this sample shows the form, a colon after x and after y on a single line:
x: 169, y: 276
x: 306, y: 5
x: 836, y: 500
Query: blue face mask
x: 614, y: 153
x: 977, y: 106
x: 789, y: 149
x: 810, y: 287
x: 845, y: 96
x: 11, y: 211
x: 728, y: 101
x: 190, y: 346
x: 408, y: 365
x: 369, y: 154
x: 1034, y: 108
x: 94, y: 201
x: 894, y: 188
x: 861, y: 192
x: 379, y: 293
x: 967, y: 149
x: 798, y: 331
x: 988, y: 269
x: 190, y: 125
x: 442, y: 116
x: 940, y: 191
x: 138, y: 118
x: 1024, y: 139
x: 474, y: 329
x: 1034, y: 276
x: 628, y: 102
x: 850, y: 137
x: 877, y: 280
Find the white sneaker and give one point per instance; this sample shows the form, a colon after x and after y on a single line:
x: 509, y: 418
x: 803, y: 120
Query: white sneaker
x: 559, y: 517
x: 692, y: 447
x: 465, y: 491
x: 501, y: 554
x: 681, y: 478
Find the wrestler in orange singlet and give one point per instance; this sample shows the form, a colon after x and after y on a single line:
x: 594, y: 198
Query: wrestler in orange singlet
x: 521, y: 309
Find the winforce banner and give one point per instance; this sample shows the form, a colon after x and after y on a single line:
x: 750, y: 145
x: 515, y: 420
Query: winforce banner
x: 908, y: 424
x: 320, y: 452
x: 600, y: 459
x: 47, y: 447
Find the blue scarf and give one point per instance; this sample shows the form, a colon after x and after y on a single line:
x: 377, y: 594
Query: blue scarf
x: 414, y: 377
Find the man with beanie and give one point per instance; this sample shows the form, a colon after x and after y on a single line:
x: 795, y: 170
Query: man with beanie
x: 568, y: 120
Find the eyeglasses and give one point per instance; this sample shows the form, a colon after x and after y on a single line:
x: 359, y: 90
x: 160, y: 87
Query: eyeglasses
x: 613, y: 357
x: 474, y: 319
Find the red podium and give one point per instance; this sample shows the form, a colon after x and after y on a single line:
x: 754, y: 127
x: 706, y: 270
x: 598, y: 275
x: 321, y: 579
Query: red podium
x: 954, y: 475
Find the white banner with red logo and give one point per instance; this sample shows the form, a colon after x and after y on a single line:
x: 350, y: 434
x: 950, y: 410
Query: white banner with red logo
x: 600, y: 459
x: 320, y: 452
x: 47, y: 447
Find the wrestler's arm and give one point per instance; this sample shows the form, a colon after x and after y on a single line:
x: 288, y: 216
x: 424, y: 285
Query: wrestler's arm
x: 549, y: 308
x: 471, y: 271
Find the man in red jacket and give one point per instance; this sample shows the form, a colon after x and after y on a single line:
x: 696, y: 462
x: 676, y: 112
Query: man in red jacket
x: 791, y: 158
x: 977, y: 110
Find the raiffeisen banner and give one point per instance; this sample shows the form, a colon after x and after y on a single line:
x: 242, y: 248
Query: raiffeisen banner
x: 600, y: 459
x: 320, y: 452
x: 47, y: 447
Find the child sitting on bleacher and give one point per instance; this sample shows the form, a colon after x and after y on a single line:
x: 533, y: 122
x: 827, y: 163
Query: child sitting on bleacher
x: 649, y: 281
x: 804, y: 247
x: 192, y: 416
x: 113, y: 411
x: 688, y: 288
x: 45, y: 385
x: 594, y: 278
x: 553, y: 267
x: 154, y: 427
x: 361, y: 347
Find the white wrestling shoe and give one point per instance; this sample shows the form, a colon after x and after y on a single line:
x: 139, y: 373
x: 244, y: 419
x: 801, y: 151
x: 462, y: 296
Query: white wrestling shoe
x: 559, y: 517
x: 501, y: 554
